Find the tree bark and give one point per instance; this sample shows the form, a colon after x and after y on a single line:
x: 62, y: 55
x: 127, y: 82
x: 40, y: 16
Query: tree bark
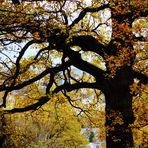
x: 119, y: 114
x: 2, y: 135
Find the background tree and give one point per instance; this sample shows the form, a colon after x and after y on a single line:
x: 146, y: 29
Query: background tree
x: 54, y: 125
x: 70, y: 35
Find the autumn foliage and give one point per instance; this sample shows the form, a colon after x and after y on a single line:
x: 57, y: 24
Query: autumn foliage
x: 79, y: 50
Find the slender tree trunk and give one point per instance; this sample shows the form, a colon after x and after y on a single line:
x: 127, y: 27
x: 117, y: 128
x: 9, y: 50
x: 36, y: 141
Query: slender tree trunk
x: 119, y: 114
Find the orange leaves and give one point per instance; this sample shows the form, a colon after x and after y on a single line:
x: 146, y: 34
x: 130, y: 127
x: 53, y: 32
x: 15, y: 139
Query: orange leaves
x: 113, y: 62
x: 36, y: 36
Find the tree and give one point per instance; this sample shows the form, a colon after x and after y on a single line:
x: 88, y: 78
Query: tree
x: 91, y: 136
x: 71, y: 35
x: 2, y: 124
x: 140, y: 127
x: 53, y: 125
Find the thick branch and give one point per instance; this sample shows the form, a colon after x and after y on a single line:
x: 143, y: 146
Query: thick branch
x: 38, y: 77
x: 21, y: 53
x: 17, y: 70
x: 71, y: 87
x: 77, y: 61
x: 34, y: 106
x: 88, y: 43
x: 86, y: 10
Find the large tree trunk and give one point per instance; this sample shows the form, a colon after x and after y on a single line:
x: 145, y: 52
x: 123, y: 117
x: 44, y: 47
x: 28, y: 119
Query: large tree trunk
x: 2, y: 135
x: 119, y: 114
